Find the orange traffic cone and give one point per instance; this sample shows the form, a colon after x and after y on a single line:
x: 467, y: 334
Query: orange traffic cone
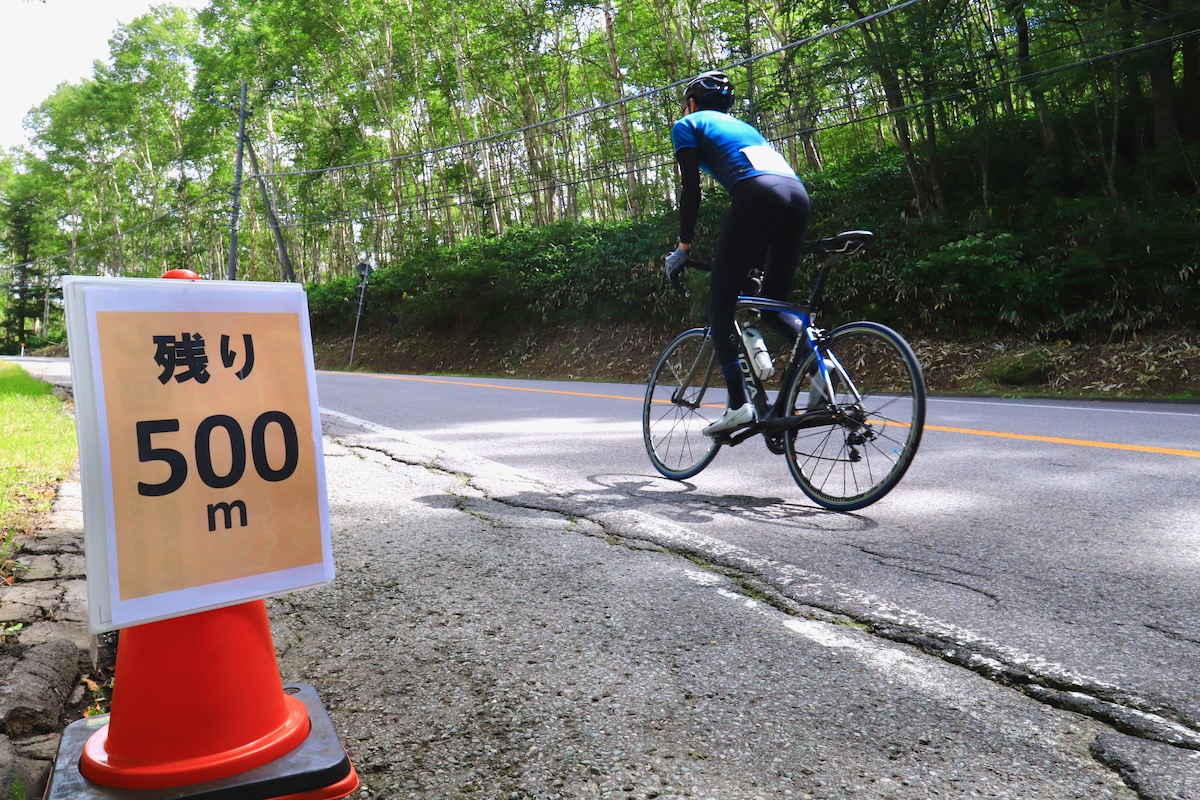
x: 199, y: 709
x: 196, y: 698
x: 182, y: 274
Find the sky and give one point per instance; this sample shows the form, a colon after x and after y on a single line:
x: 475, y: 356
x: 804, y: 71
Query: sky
x: 43, y: 44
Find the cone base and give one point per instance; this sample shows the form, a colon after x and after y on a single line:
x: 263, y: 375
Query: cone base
x: 99, y: 765
x: 318, y: 769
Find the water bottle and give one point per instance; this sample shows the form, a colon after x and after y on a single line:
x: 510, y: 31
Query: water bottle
x: 760, y: 359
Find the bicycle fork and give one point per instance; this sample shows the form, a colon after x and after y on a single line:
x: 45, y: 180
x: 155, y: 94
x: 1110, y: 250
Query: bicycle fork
x: 702, y: 365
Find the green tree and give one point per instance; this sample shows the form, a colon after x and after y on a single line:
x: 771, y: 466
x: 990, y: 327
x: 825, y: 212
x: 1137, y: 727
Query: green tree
x: 29, y: 281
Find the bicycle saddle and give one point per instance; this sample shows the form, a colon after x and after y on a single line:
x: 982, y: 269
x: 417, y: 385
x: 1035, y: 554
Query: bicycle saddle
x: 844, y: 243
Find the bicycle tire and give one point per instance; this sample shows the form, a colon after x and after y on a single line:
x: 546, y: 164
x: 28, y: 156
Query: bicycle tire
x: 851, y: 464
x: 672, y: 425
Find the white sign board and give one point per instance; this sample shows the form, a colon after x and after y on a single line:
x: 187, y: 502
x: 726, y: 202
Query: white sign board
x: 199, y: 442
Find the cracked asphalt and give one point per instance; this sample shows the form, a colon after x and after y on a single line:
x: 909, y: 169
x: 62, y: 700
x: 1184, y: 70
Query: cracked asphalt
x: 492, y: 635
x: 496, y: 637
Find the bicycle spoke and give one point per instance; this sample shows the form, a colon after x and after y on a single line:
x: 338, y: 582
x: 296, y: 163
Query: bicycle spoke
x: 672, y: 416
x: 851, y: 464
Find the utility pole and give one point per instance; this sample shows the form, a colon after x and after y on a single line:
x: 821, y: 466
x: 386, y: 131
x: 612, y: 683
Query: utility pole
x: 237, y: 189
x: 286, y: 273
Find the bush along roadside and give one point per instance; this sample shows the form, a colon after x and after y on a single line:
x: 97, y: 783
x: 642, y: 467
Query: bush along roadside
x: 1153, y: 367
x: 1083, y: 269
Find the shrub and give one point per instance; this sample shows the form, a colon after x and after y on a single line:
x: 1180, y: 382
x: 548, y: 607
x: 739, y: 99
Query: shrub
x: 977, y: 281
x: 1023, y: 369
x: 1047, y: 266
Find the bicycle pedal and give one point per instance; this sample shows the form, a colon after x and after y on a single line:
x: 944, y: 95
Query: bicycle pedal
x: 740, y: 435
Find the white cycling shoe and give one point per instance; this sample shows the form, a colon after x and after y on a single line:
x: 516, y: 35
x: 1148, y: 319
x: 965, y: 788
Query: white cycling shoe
x: 732, y: 419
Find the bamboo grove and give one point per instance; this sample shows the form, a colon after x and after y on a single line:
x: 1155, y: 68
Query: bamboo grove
x: 379, y: 128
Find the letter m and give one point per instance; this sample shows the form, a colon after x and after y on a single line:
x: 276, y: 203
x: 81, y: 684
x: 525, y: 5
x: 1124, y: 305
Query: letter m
x: 227, y: 508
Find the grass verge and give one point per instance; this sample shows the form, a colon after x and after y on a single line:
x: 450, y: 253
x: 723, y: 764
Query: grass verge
x: 37, y: 451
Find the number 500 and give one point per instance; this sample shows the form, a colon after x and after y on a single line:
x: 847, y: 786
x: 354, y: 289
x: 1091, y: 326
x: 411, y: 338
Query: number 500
x: 178, y: 463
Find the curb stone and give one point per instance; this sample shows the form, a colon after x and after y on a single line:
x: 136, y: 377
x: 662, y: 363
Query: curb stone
x: 41, y: 660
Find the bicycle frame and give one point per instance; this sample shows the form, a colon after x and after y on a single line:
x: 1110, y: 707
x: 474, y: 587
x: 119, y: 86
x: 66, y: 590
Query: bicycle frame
x: 775, y: 418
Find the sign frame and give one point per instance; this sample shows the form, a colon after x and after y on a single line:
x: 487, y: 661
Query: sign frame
x: 137, y: 576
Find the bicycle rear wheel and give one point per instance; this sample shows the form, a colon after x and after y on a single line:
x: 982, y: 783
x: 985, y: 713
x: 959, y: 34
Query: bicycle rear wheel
x: 858, y: 459
x: 673, y: 415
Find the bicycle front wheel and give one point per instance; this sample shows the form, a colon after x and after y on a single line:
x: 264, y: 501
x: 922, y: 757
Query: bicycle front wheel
x: 878, y: 408
x: 674, y: 414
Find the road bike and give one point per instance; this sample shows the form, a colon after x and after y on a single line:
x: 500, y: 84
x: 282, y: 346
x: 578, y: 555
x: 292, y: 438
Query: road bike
x: 848, y: 413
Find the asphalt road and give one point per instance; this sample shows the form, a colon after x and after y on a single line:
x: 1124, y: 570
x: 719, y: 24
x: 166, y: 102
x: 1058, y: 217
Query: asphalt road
x: 512, y: 616
x: 490, y: 635
x: 1048, y: 545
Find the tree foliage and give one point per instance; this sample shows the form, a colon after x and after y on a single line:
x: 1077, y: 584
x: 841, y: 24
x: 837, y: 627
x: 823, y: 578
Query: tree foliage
x: 1029, y: 163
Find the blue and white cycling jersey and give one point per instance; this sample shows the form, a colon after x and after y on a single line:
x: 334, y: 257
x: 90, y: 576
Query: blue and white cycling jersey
x: 730, y: 150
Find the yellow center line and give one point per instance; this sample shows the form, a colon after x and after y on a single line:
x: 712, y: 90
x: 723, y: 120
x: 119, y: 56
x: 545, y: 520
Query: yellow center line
x: 1138, y: 448
x: 419, y: 379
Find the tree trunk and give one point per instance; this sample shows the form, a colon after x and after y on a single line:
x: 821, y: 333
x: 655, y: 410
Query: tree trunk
x: 1049, y: 137
x: 664, y: 17
x: 1190, y: 90
x: 933, y: 163
x: 631, y: 183
x: 1162, y: 80
x: 484, y: 197
x: 893, y: 94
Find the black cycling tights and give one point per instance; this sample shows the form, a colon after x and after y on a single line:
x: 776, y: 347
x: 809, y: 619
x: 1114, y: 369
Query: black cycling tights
x: 765, y: 227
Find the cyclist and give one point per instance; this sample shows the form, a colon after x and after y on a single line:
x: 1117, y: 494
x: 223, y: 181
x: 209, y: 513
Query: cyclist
x: 765, y: 226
